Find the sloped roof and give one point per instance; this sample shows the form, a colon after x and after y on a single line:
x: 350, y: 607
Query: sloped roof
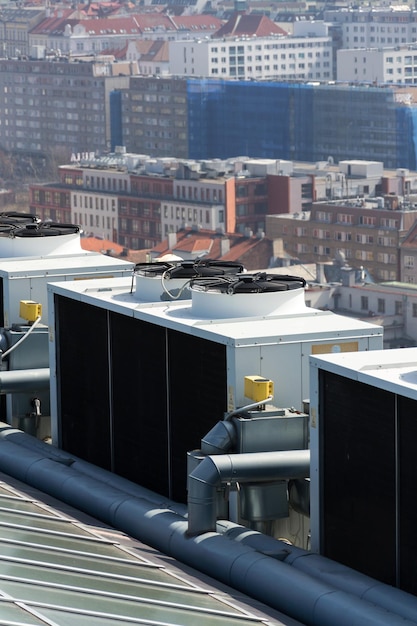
x: 95, y: 244
x: 241, y: 24
x: 253, y: 252
x: 198, y: 22
x: 55, y: 23
x: 151, y: 50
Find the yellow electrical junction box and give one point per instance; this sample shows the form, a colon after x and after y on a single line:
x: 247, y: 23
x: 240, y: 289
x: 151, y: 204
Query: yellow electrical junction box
x: 258, y: 388
x: 30, y: 310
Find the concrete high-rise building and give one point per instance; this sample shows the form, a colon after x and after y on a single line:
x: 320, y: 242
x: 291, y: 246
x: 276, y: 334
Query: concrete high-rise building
x: 50, y: 106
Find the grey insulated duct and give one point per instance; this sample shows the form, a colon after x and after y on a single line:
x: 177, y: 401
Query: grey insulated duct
x: 213, y: 471
x: 303, y: 596
x: 29, y: 380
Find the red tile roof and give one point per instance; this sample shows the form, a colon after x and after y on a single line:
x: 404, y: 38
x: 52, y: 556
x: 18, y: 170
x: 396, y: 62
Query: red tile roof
x: 249, y: 25
x: 252, y: 252
x: 95, y: 244
x: 150, y: 50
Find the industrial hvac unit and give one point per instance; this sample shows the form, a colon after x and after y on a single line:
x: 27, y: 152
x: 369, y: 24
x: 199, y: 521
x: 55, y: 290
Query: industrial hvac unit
x: 364, y: 462
x: 32, y: 254
x: 138, y: 384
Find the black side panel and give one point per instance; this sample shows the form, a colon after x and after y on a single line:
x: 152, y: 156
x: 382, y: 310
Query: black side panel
x: 82, y: 372
x: 197, y: 398
x: 139, y: 402
x: 407, y: 412
x: 358, y: 476
x: 1, y: 303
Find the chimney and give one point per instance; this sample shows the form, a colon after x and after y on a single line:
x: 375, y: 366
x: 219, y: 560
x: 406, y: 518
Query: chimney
x: 172, y: 240
x: 320, y: 277
x: 224, y: 246
x: 348, y: 276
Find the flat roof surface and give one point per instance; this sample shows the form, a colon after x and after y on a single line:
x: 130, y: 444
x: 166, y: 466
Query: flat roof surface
x: 59, y: 567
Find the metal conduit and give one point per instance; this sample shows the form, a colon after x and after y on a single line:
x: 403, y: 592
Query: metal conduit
x: 17, y: 381
x: 214, y: 470
x: 281, y: 586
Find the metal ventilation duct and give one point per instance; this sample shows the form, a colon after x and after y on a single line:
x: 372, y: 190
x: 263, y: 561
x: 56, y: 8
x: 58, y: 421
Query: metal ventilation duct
x: 233, y: 296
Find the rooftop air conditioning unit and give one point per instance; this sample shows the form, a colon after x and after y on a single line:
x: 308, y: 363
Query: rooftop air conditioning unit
x: 363, y: 462
x: 32, y: 255
x: 152, y: 378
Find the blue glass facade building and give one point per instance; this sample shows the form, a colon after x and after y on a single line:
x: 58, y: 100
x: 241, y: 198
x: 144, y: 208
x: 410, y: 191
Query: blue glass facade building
x: 204, y: 118
x: 303, y: 122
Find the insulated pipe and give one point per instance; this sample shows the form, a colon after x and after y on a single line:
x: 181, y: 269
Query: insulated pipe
x: 277, y: 584
x: 214, y: 470
x: 324, y: 569
x: 18, y: 381
x: 16, y: 436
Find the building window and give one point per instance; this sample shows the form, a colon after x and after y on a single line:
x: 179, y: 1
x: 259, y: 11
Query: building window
x: 414, y: 309
x: 364, y: 303
x: 381, y: 305
x: 398, y: 307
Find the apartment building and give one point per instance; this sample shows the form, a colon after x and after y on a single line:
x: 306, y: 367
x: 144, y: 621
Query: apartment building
x: 305, y: 56
x: 136, y: 200
x: 370, y: 27
x: 49, y: 105
x: 154, y: 116
x: 207, y: 118
x: 364, y: 232
x: 70, y: 32
x: 379, y: 65
x: 15, y: 26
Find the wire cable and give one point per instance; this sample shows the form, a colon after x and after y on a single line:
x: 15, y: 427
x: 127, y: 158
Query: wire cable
x: 25, y: 336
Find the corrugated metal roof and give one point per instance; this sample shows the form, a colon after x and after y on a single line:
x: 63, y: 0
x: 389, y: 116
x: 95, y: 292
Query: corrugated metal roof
x: 62, y: 570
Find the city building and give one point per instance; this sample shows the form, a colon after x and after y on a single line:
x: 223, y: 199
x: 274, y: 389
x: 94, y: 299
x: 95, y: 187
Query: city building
x: 137, y: 201
x: 408, y: 257
x: 307, y: 55
x: 15, y: 25
x: 379, y: 65
x: 370, y: 27
x: 53, y: 108
x: 151, y: 56
x: 153, y: 114
x: 72, y: 33
x: 202, y: 118
x: 365, y: 232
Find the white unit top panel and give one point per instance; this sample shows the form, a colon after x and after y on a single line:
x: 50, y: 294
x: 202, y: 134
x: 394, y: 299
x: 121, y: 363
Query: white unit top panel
x: 392, y: 370
x: 308, y: 325
x: 62, y: 265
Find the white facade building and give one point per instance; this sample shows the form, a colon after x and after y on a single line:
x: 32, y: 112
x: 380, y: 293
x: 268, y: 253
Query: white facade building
x: 371, y: 29
x: 96, y: 213
x: 304, y: 57
x: 196, y: 204
x: 378, y: 65
x: 95, y: 206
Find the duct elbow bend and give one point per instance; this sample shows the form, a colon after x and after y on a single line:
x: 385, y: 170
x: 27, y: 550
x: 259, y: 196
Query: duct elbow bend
x: 202, y: 491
